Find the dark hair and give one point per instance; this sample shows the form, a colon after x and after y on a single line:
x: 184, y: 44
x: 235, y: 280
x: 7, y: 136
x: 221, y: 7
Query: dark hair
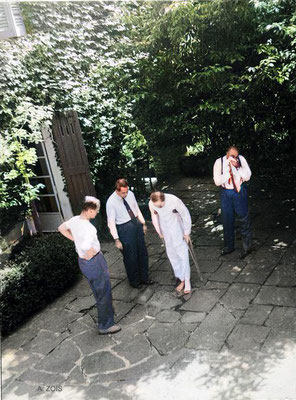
x: 89, y: 205
x: 122, y: 182
x: 155, y: 196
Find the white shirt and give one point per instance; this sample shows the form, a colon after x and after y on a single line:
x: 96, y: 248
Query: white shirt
x: 242, y: 173
x: 84, y: 235
x: 166, y: 221
x: 117, y: 213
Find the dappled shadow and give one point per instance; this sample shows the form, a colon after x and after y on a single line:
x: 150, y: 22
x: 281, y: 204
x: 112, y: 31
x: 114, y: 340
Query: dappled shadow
x: 233, y: 339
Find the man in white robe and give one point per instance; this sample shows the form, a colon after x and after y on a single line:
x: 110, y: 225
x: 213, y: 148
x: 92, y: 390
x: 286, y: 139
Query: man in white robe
x: 172, y: 222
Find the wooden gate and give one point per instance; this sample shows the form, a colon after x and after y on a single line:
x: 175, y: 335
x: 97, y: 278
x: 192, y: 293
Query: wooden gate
x: 68, y: 137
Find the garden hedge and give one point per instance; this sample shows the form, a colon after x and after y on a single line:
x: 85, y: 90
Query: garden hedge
x: 40, y: 269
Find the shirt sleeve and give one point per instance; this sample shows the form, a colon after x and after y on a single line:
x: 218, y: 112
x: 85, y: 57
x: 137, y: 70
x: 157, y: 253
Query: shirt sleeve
x: 65, y: 225
x: 137, y: 208
x: 154, y: 218
x: 185, y: 215
x: 244, y: 171
x: 111, y: 214
x: 219, y: 178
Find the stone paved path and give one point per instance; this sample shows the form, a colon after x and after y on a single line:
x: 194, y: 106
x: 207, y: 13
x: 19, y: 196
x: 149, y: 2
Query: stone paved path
x: 234, y: 338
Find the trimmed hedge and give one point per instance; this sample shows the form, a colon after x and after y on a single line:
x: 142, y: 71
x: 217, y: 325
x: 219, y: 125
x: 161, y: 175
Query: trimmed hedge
x: 40, y: 270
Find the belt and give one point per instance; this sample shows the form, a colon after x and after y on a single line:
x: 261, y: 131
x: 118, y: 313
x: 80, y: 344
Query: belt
x: 127, y: 222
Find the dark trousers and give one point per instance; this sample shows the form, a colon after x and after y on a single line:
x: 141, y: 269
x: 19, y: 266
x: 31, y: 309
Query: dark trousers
x: 96, y: 272
x: 233, y: 203
x: 135, y: 255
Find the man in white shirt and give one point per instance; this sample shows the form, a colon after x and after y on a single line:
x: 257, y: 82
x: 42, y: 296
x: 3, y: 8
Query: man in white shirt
x: 230, y: 173
x: 127, y: 226
x: 92, y: 262
x: 172, y: 222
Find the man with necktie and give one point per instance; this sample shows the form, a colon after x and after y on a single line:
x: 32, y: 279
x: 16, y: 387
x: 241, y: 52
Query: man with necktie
x: 230, y: 173
x: 127, y: 226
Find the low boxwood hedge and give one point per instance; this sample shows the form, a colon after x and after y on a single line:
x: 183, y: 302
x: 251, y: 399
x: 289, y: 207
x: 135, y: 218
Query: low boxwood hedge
x: 41, y: 269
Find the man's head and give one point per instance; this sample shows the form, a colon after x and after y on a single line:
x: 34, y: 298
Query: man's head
x: 157, y: 199
x: 91, y: 206
x: 121, y: 187
x: 232, y: 151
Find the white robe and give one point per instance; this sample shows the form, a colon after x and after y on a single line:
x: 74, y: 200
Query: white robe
x: 173, y: 225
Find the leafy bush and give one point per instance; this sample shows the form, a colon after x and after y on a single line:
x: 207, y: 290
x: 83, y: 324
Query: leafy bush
x: 40, y: 270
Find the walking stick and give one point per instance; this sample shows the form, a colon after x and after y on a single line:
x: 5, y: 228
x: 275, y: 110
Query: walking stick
x: 193, y: 256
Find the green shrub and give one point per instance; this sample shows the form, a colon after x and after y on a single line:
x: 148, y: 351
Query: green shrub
x: 38, y: 273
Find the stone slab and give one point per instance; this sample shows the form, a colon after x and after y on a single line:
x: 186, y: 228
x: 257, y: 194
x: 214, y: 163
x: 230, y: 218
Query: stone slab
x: 283, y: 275
x: 45, y: 342
x: 256, y: 314
x: 134, y: 350
x: 228, y: 271
x: 247, y: 337
x: 164, y: 300
x: 212, y: 285
x: 213, y: 331
x: 167, y: 339
x: 207, y: 253
x: 163, y: 277
x: 61, y: 359
x: 76, y: 377
x: 277, y: 296
x: 209, y: 266
x: 121, y: 308
x: 53, y: 321
x: 255, y: 272
x: 101, y: 362
x: 192, y: 317
x: 123, y: 291
x: 279, y: 343
x: 82, y: 303
x: 282, y: 319
x: 41, y: 378
x: 168, y: 316
x: 239, y: 296
x: 90, y: 341
x: 145, y: 295
x: 117, y: 270
x: 202, y: 300
x: 267, y: 255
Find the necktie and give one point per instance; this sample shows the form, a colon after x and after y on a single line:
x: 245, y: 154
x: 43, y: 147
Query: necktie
x: 129, y: 210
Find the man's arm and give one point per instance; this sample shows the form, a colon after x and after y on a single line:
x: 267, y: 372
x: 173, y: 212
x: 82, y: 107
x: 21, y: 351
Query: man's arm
x: 244, y: 171
x: 111, y: 214
x: 139, y: 213
x: 155, y: 220
x: 220, y: 179
x: 65, y: 231
x: 185, y: 215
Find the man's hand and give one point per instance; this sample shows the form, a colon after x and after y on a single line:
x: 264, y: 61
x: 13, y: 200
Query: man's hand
x: 90, y: 253
x: 118, y: 244
x: 161, y: 236
x: 144, y: 229
x: 187, y: 238
x: 233, y: 161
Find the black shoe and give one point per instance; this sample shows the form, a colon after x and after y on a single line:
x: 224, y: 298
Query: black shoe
x: 226, y: 251
x: 244, y: 253
x: 136, y: 285
x: 148, y: 282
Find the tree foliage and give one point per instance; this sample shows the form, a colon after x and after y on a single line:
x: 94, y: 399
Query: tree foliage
x: 148, y: 78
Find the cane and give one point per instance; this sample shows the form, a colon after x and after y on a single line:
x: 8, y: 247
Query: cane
x: 193, y: 256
